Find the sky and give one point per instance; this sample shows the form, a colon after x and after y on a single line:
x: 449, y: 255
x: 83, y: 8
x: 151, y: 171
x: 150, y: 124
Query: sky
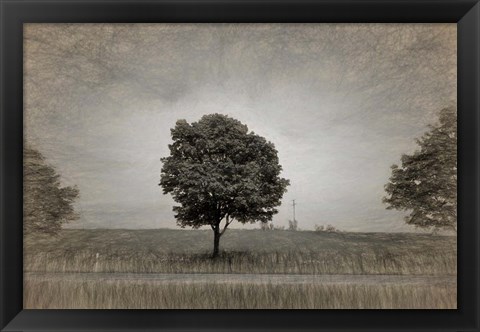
x: 340, y: 102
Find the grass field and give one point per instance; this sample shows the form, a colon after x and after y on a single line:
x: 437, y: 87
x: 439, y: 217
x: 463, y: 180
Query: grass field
x: 243, y: 251
x: 139, y: 295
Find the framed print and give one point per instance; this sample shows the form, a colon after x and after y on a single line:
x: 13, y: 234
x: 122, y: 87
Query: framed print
x: 247, y: 166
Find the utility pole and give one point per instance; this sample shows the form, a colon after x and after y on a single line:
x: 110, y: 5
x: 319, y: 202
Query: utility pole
x: 293, y: 204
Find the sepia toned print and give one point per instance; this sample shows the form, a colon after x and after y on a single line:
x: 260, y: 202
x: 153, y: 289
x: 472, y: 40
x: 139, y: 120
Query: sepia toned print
x: 240, y: 166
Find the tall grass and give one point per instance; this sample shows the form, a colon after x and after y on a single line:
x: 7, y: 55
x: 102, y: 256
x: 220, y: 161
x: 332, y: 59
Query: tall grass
x: 331, y: 262
x: 150, y: 295
x: 253, y: 251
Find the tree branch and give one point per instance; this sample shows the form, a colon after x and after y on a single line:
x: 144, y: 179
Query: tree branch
x: 227, y: 222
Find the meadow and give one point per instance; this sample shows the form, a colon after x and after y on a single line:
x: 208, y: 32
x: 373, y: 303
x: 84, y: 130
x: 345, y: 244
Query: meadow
x: 140, y: 295
x: 242, y: 252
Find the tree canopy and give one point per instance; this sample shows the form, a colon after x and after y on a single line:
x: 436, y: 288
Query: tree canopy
x: 46, y: 204
x: 218, y: 170
x: 426, y: 182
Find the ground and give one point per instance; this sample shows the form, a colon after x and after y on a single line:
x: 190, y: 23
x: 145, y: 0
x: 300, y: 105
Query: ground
x: 139, y: 269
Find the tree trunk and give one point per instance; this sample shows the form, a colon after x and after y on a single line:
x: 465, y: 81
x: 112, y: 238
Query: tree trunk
x: 216, y: 241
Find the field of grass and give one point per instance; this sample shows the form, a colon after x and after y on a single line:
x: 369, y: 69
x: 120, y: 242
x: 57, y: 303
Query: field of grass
x: 144, y: 295
x: 243, y: 251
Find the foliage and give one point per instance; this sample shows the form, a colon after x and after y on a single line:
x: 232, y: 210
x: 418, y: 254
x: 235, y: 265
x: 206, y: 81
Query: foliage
x: 329, y: 228
x: 293, y: 225
x: 46, y: 205
x: 426, y: 182
x: 267, y: 226
x: 218, y: 170
x: 319, y: 228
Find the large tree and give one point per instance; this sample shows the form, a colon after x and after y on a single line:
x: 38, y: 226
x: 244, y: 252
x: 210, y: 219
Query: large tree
x: 426, y: 182
x: 46, y: 204
x: 219, y: 171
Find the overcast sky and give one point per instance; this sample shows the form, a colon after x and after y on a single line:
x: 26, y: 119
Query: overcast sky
x: 341, y: 103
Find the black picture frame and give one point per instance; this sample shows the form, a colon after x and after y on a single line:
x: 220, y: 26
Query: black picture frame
x: 466, y: 13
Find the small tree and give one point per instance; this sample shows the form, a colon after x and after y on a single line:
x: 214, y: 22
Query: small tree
x: 319, y: 228
x: 265, y: 226
x: 292, y: 225
x: 426, y: 182
x: 331, y: 229
x: 217, y: 170
x: 46, y: 205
